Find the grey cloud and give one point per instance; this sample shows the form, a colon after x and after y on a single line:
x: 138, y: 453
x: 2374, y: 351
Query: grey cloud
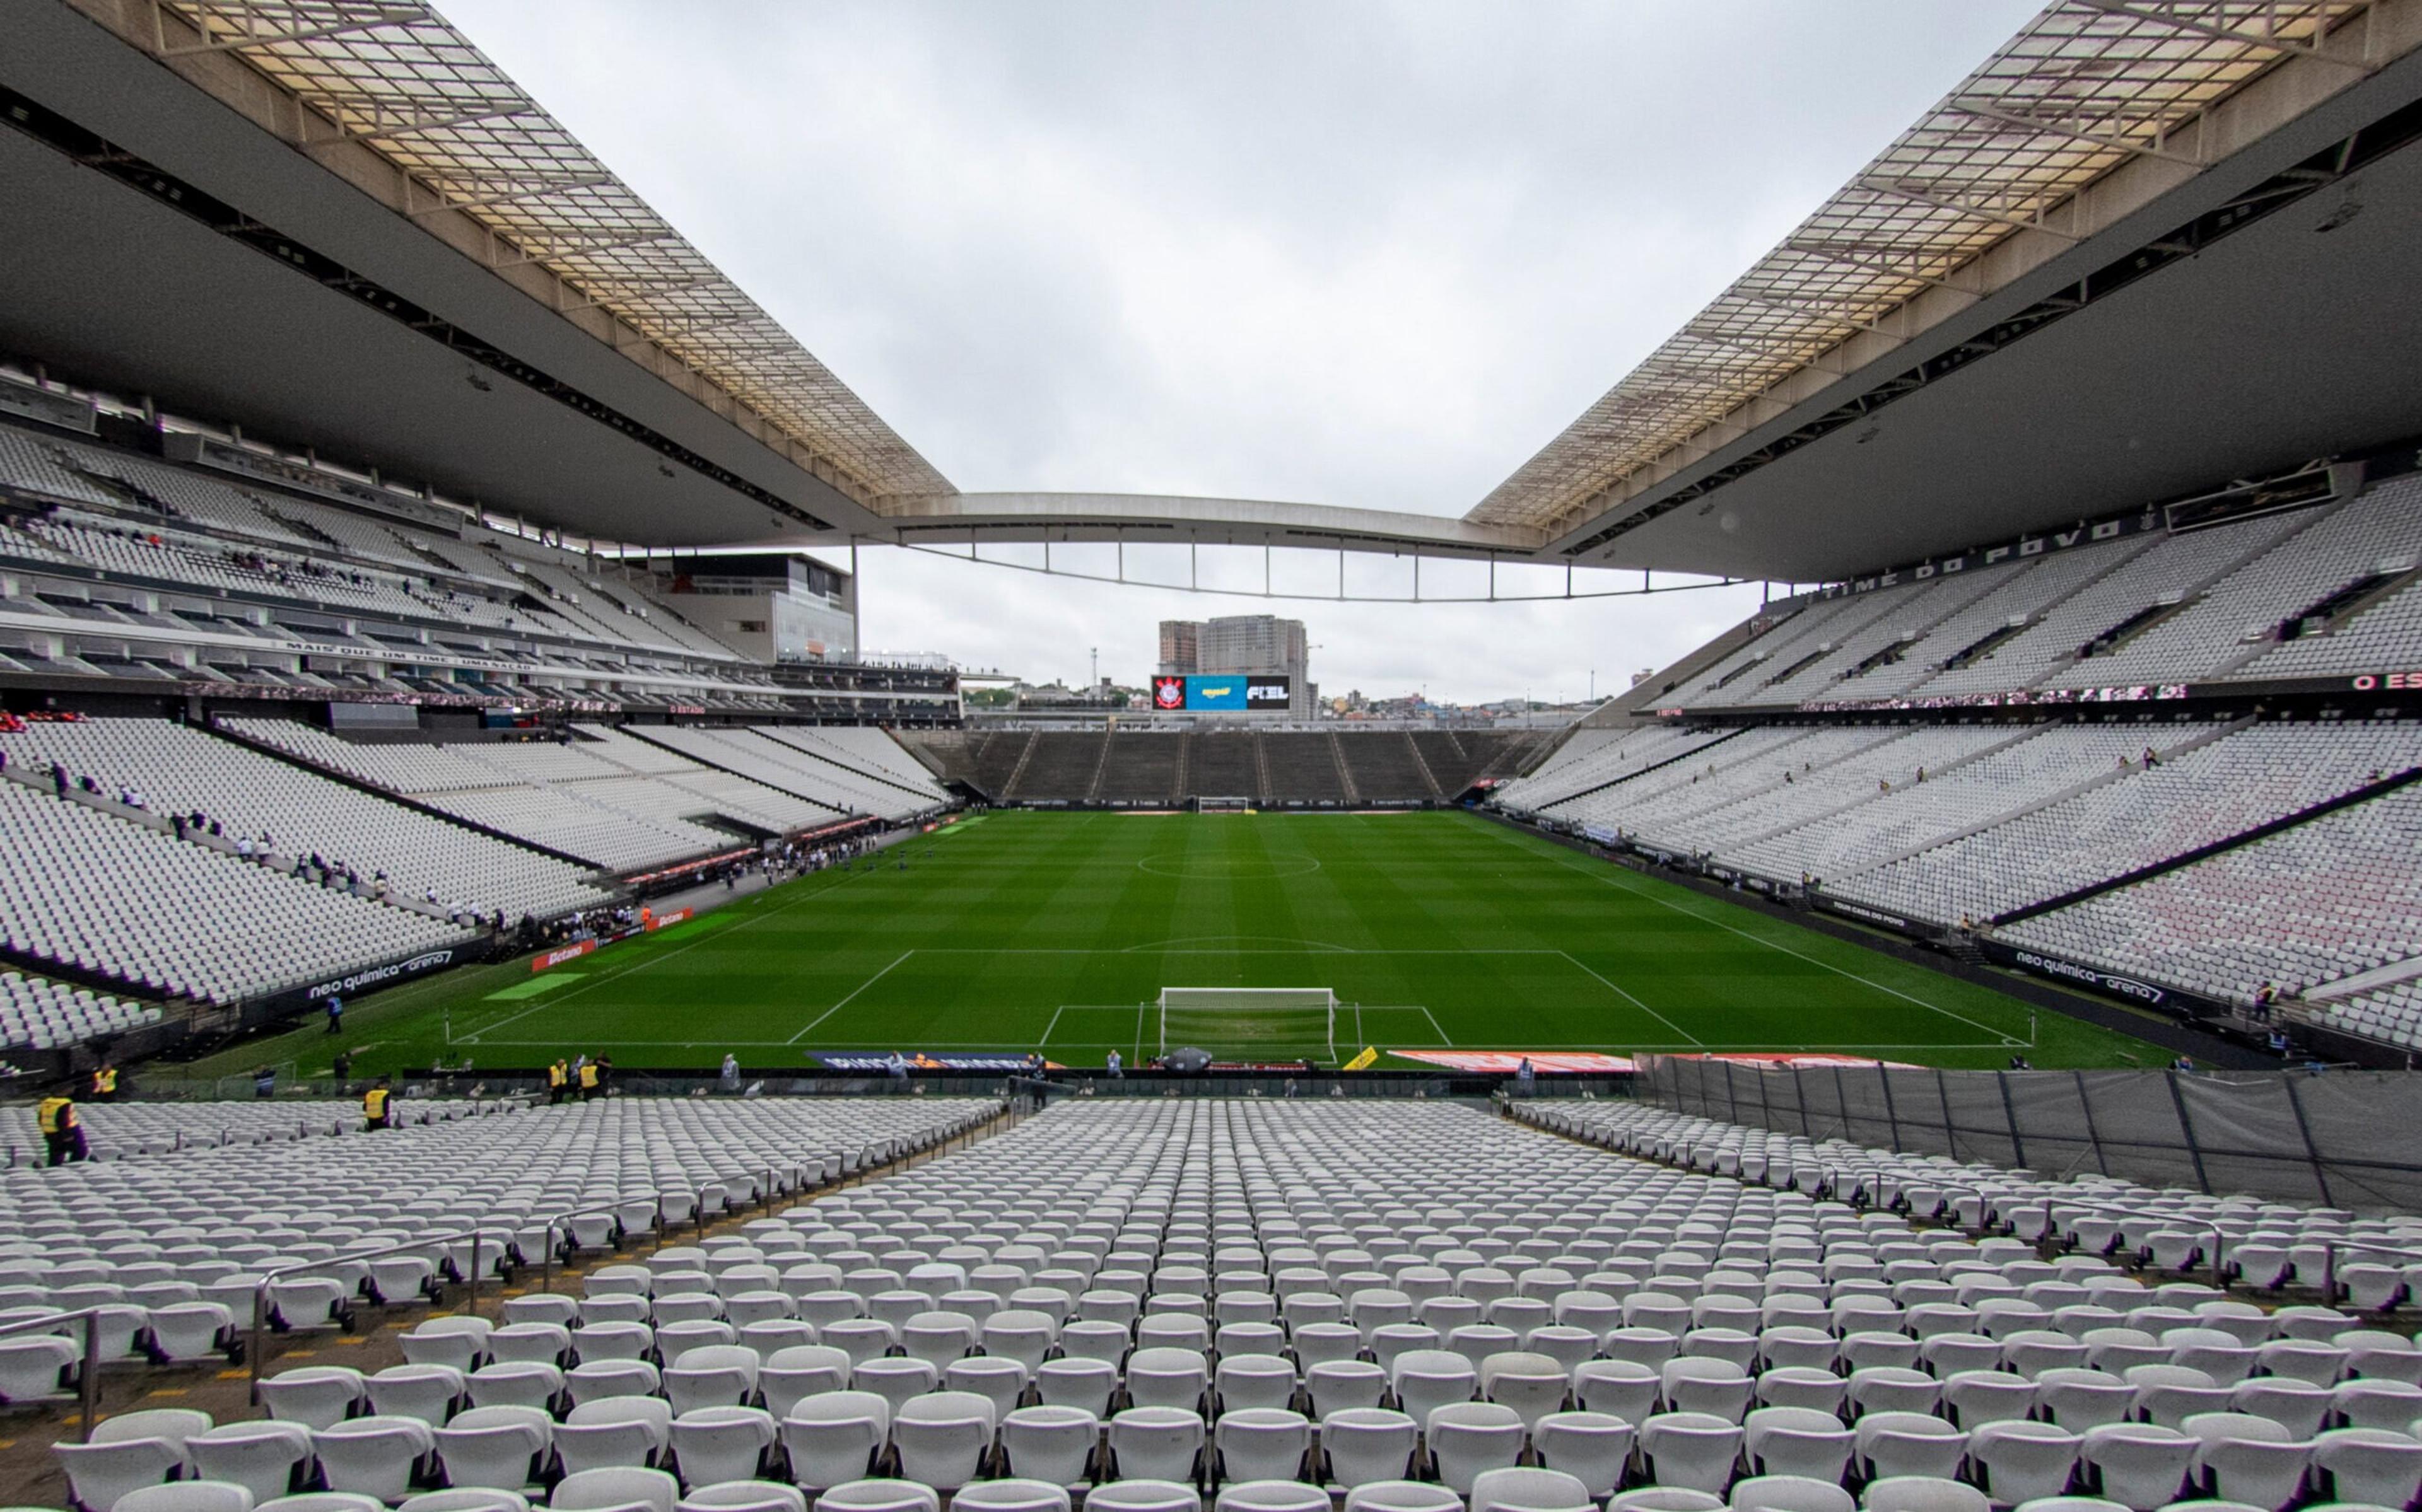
x: 1349, y: 252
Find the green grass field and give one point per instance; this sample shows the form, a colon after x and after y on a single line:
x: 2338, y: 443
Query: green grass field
x: 1020, y: 931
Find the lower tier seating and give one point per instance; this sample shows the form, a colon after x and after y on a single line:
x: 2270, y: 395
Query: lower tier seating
x: 1416, y: 1308
x: 36, y: 1013
x: 1978, y: 824
x: 170, y: 917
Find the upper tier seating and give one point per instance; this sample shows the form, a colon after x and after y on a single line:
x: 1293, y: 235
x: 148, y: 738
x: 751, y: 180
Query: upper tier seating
x: 36, y: 1013
x: 2380, y: 531
x: 2169, y: 569
x: 131, y: 557
x: 1997, y: 600
x: 2307, y: 592
x: 181, y: 769
x: 101, y: 894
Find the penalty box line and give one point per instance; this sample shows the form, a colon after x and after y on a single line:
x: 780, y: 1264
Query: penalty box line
x: 1562, y: 859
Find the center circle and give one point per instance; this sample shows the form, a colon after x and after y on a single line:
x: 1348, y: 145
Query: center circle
x: 1227, y: 868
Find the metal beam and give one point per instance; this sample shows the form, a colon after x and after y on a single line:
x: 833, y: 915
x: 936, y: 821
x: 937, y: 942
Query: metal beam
x: 1895, y: 190
x: 332, y: 107
x: 2167, y: 14
x: 1840, y: 253
x: 1970, y: 105
x: 529, y: 191
x: 390, y: 16
x: 572, y: 251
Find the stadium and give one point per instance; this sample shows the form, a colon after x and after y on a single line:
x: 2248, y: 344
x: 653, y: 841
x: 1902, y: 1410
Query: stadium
x: 508, y: 1004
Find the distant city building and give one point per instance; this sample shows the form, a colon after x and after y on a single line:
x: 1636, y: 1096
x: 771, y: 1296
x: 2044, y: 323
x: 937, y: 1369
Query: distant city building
x: 1181, y: 643
x: 1244, y: 645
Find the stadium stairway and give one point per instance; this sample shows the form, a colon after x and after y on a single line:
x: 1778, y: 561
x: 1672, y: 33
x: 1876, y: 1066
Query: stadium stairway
x: 1345, y: 771
x: 1302, y: 768
x: 1141, y: 768
x: 1058, y: 765
x: 1421, y: 766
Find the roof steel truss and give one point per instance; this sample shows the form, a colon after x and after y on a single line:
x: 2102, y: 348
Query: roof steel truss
x: 2088, y: 85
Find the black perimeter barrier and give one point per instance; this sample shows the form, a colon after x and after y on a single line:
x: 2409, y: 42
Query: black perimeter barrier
x: 2337, y: 1139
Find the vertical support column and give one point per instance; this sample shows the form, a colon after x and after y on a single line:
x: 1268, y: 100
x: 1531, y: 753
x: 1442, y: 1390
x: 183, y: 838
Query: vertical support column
x: 2010, y: 1111
x: 2093, y: 1136
x: 2186, y: 1130
x: 2312, y: 1150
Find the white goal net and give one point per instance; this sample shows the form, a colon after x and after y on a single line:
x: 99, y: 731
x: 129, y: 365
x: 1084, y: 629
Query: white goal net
x: 1270, y: 1022
x: 1206, y: 804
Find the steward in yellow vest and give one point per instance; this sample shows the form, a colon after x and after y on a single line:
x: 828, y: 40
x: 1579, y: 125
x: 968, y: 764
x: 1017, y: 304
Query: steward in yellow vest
x: 375, y: 1107
x: 62, y: 1130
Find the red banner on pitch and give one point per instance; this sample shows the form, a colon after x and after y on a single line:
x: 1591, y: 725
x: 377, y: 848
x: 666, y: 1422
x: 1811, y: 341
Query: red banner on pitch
x: 557, y: 956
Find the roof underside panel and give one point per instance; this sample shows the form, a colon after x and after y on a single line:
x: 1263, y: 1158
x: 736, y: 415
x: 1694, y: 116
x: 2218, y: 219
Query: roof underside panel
x: 2087, y: 85
x: 399, y: 78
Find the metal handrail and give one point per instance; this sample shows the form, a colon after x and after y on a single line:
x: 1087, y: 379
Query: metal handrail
x: 562, y: 1223
x: 262, y: 1284
x: 88, y: 1375
x: 2329, y: 1252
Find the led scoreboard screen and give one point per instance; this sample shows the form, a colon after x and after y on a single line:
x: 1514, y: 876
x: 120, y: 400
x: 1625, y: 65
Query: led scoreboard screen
x: 1235, y: 693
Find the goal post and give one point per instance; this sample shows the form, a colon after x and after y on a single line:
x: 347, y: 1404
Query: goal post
x: 1274, y: 1023
x: 1205, y: 804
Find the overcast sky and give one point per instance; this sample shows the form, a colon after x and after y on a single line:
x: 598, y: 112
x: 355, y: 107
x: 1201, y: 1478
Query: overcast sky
x: 1352, y: 254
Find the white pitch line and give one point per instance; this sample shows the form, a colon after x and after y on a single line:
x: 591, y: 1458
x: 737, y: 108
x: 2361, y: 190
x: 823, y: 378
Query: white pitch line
x: 1053, y: 1025
x: 1762, y: 1046
x: 1634, y: 1001
x: 845, y: 1002
x: 614, y: 974
x: 1613, y: 880
x: 1435, y: 1028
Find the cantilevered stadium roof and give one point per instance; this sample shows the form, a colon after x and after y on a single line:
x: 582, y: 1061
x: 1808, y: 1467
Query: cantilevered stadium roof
x: 400, y: 79
x: 2147, y: 246
x: 2088, y: 85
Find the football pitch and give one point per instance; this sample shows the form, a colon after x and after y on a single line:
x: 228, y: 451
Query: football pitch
x: 1024, y: 931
